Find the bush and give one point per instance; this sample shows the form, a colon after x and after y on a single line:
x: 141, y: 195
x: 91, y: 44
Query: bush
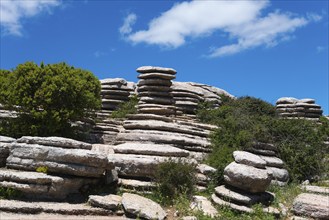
x: 174, y: 178
x: 47, y: 98
x: 247, y: 120
x: 9, y: 193
x: 126, y: 108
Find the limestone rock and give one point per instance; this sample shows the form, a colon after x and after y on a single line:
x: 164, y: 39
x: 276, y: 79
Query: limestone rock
x: 78, y: 162
x: 144, y: 208
x: 150, y: 69
x: 111, y: 202
x: 55, y: 142
x: 150, y: 149
x: 312, y: 205
x: 113, y: 81
x: 203, y: 204
x: 247, y: 178
x: 316, y: 189
x: 243, y: 157
x: 5, y: 139
x: 156, y: 76
x: 279, y: 174
x: 205, y: 169
x: 273, y: 161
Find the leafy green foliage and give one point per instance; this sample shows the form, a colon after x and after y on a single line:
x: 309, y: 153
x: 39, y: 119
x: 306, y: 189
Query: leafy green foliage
x: 174, y: 178
x: 247, y: 120
x: 48, y: 98
x: 9, y: 193
x: 126, y: 108
x: 42, y: 169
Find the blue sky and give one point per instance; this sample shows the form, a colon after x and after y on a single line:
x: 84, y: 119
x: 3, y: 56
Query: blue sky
x: 266, y: 49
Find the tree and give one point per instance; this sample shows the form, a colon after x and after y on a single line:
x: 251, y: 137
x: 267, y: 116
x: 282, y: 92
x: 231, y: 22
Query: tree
x: 47, y: 98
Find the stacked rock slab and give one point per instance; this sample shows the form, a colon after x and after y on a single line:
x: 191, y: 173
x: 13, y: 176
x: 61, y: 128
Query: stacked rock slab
x: 4, y: 149
x: 289, y: 107
x: 269, y: 153
x: 246, y: 180
x: 154, y: 90
x: 70, y: 164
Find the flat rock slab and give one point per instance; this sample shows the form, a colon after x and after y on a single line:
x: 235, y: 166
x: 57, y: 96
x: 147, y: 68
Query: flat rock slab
x: 203, y: 204
x: 205, y: 169
x: 279, y: 174
x: 247, y: 177
x: 273, y: 161
x: 136, y: 184
x: 150, y: 149
x: 111, y: 202
x: 157, y: 69
x: 113, y: 81
x: 316, y: 189
x: 312, y: 205
x: 55, y: 142
x: 247, y: 158
x: 239, y: 196
x: 6, y: 139
x: 142, y: 207
x: 77, y: 162
x: 51, y: 207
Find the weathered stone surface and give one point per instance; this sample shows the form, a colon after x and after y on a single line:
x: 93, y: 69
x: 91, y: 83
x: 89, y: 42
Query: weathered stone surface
x: 136, y: 184
x: 262, y: 152
x: 249, y: 159
x: 4, y: 153
x: 78, y: 162
x: 55, y: 142
x: 154, y: 88
x: 144, y: 208
x: 316, y: 189
x: 41, y: 185
x: 103, y: 148
x: 157, y: 76
x: 150, y: 149
x: 247, y: 178
x: 221, y: 202
x: 5, y: 139
x: 157, y: 100
x: 113, y: 81
x: 52, y: 207
x: 157, y: 69
x: 111, y: 202
x: 272, y: 161
x: 203, y: 204
x: 115, y: 92
x: 286, y: 100
x: 205, y: 169
x: 161, y: 82
x: 242, y: 197
x: 150, y: 117
x: 279, y: 174
x: 312, y: 205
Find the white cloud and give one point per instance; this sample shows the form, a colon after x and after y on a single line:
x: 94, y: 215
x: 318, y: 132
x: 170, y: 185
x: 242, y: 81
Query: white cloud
x: 12, y: 12
x: 242, y: 21
x: 128, y: 22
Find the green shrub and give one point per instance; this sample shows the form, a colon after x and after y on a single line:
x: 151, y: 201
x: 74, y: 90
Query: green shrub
x: 126, y: 108
x: 42, y: 169
x: 174, y: 178
x: 48, y: 97
x: 9, y: 193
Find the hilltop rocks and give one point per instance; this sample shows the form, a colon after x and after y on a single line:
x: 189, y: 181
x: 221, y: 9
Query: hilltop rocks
x: 289, y: 107
x: 246, y: 180
x: 154, y: 90
x: 144, y: 208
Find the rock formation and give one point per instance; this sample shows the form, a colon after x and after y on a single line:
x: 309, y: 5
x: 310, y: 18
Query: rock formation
x: 4, y: 149
x: 246, y: 180
x: 289, y: 107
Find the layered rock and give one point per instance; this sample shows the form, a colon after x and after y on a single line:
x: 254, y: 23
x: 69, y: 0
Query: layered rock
x: 269, y: 153
x: 246, y: 180
x: 5, y: 143
x: 154, y: 90
x: 311, y: 205
x: 289, y: 107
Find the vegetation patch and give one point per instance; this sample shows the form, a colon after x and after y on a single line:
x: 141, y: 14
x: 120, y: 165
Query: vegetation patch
x: 9, y: 193
x: 126, y: 108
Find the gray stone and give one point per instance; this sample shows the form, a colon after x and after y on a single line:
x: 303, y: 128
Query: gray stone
x: 111, y: 202
x: 78, y: 162
x: 154, y: 88
x: 55, y: 142
x: 316, y: 189
x: 201, y: 203
x: 158, y: 100
x: 113, y: 81
x: 221, y: 202
x: 286, y: 100
x: 161, y: 82
x: 136, y: 184
x: 156, y: 76
x: 273, y: 161
x: 242, y: 197
x: 111, y: 176
x: 311, y: 205
x: 157, y: 69
x: 150, y: 149
x: 149, y: 117
x: 103, y: 148
x: 247, y: 158
x: 247, y: 178
x: 115, y: 92
x: 205, y: 169
x: 5, y: 139
x: 279, y: 174
x: 142, y: 207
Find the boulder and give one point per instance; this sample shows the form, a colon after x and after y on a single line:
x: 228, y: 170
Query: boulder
x: 111, y: 202
x: 279, y: 174
x: 311, y: 205
x: 156, y: 69
x: 250, y: 159
x: 272, y: 161
x: 137, y: 205
x: 77, y: 162
x: 201, y: 203
x: 205, y: 169
x: 247, y: 178
x: 55, y: 142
